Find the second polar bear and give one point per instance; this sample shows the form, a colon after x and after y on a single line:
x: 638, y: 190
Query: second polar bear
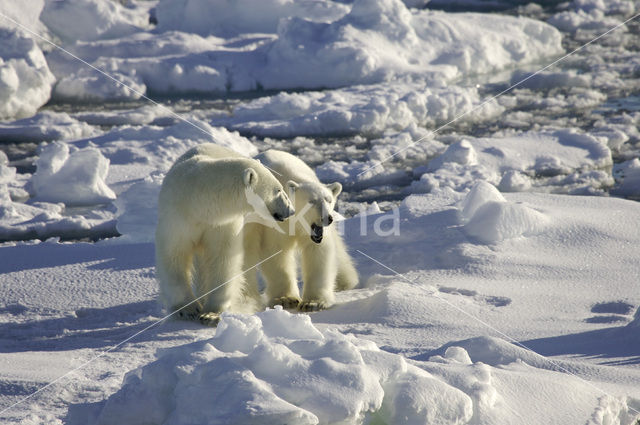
x: 325, y: 263
x: 203, y: 202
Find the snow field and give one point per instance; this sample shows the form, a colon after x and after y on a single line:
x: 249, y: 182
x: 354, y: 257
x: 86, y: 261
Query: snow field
x: 478, y: 254
x: 266, y: 367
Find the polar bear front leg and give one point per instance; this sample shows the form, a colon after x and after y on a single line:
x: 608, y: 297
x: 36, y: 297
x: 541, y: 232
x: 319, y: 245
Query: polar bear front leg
x: 219, y: 276
x: 319, y: 269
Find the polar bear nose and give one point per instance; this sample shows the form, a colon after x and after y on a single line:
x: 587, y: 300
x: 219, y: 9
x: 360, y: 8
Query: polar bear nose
x: 280, y: 217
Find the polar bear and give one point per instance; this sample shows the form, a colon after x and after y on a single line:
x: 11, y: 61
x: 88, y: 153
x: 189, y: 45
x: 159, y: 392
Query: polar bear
x: 325, y: 263
x: 199, y: 247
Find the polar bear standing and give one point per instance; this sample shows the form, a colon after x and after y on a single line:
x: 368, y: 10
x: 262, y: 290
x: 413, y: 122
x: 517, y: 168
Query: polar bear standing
x: 201, y: 209
x: 325, y: 263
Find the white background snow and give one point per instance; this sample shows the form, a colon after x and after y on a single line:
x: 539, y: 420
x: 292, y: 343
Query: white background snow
x: 498, y: 243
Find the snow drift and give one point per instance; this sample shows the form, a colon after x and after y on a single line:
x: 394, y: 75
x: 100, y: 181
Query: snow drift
x: 275, y: 367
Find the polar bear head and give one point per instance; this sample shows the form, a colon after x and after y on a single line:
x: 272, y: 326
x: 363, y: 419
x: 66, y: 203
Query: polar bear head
x: 265, y: 195
x: 314, y: 203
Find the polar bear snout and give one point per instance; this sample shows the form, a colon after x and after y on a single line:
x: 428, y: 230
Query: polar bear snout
x: 279, y: 217
x: 283, y: 207
x: 316, y: 233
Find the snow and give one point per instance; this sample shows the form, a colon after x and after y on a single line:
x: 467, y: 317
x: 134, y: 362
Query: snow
x: 630, y: 175
x: 489, y: 218
x: 333, y: 50
x: 217, y: 17
x: 568, y: 160
x: 46, y: 126
x: 71, y: 177
x: 591, y: 15
x: 93, y: 19
x: 25, y: 13
x: 25, y: 78
x: 498, y: 257
x: 389, y: 351
x: 356, y: 110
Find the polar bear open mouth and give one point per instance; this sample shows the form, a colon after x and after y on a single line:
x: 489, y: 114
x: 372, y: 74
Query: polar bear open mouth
x: 316, y: 233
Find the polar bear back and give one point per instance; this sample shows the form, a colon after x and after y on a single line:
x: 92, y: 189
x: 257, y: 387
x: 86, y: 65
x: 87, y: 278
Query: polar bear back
x: 286, y: 166
x: 210, y: 150
x: 192, y: 188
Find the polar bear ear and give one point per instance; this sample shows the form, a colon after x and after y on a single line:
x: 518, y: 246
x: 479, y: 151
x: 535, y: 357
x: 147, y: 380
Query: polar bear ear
x: 250, y: 177
x: 335, y: 188
x: 291, y: 186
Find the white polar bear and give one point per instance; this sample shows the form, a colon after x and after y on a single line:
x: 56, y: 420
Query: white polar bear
x: 199, y: 253
x: 325, y: 263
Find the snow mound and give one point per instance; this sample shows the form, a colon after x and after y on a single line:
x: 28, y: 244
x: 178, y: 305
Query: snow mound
x: 25, y: 78
x: 492, y: 370
x: 276, y: 367
x: 92, y: 19
x: 359, y: 109
x: 153, y: 147
x: 629, y: 172
x: 489, y: 218
x: 87, y: 85
x: 71, y: 176
x: 344, y: 52
x: 221, y: 18
x: 26, y: 12
x: 560, y: 161
x: 372, y: 41
x: 43, y: 220
x: 592, y: 15
x: 46, y: 126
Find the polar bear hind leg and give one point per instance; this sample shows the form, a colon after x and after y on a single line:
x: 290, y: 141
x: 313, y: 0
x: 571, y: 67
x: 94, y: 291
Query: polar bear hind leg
x: 347, y: 277
x: 173, y: 272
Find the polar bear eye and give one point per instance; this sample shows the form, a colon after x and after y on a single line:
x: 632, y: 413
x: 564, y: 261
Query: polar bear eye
x: 327, y: 199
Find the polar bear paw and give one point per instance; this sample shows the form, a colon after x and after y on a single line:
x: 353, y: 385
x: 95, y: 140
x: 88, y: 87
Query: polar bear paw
x: 209, y: 319
x: 189, y: 312
x: 285, y: 302
x: 313, y: 305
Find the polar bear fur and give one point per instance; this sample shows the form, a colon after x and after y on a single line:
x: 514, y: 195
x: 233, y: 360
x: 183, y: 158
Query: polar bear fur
x: 325, y: 263
x: 199, y: 248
